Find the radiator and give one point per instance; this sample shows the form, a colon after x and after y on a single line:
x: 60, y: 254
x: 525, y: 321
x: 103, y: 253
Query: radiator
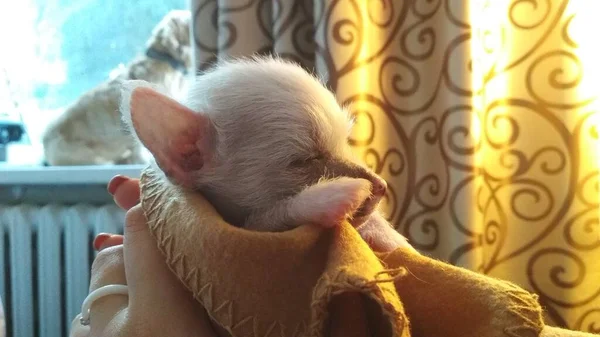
x: 47, y: 226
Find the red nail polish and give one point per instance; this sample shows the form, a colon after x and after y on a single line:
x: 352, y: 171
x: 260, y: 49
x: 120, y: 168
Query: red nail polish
x: 114, y: 183
x: 99, y: 240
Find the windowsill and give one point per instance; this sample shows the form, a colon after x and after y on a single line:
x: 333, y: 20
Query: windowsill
x: 42, y: 185
x: 64, y: 175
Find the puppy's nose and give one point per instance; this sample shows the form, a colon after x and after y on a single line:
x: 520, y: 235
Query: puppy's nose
x: 379, y: 186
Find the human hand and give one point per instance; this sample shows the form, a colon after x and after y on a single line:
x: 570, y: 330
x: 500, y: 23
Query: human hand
x: 157, y: 303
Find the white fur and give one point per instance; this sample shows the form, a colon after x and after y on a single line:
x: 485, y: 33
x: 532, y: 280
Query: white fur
x: 331, y: 202
x: 378, y: 233
x: 280, y: 158
x: 265, y: 108
x: 127, y: 89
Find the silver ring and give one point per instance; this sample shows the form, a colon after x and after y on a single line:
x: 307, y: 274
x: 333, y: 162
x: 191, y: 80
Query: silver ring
x: 111, y: 289
x: 84, y: 322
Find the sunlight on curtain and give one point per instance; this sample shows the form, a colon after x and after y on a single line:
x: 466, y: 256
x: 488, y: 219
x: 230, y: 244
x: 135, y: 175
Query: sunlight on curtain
x: 363, y: 78
x: 481, y: 115
x: 583, y: 28
x: 536, y: 85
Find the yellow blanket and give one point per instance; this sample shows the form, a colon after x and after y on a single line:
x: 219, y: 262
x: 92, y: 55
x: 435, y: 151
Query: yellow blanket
x: 314, y: 282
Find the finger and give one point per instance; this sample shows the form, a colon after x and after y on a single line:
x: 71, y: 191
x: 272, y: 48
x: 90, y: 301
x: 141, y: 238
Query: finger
x: 104, y: 240
x: 126, y: 191
x: 144, y: 262
x: 114, y: 183
x: 108, y: 268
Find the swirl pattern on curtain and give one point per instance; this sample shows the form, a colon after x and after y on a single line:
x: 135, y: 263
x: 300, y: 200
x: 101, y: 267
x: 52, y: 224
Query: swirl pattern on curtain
x: 472, y: 112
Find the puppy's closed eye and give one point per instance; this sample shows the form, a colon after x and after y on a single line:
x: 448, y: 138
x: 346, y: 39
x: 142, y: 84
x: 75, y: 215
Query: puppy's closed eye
x: 305, y: 161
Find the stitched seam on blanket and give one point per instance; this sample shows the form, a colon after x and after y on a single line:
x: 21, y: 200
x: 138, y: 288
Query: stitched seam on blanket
x: 178, y: 264
x: 342, y: 282
x: 525, y: 307
x: 222, y: 312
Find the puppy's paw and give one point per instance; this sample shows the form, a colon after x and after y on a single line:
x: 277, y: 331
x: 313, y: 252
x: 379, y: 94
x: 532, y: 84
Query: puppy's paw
x: 380, y: 235
x: 331, y: 202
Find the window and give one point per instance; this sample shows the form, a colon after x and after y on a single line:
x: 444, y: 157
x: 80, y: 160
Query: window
x: 55, y: 50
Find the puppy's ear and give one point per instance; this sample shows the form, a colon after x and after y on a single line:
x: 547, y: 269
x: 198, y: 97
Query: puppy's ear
x: 179, y: 139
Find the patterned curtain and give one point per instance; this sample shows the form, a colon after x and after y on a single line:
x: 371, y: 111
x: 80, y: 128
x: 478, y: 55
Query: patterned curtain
x: 481, y: 115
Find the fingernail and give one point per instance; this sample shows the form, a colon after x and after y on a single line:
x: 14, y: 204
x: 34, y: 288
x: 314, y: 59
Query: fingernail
x: 100, y: 239
x: 108, y: 243
x: 114, y: 183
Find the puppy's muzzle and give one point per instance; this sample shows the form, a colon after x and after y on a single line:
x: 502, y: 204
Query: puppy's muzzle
x: 378, y: 189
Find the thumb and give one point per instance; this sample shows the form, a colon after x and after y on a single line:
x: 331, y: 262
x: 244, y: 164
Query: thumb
x: 152, y: 285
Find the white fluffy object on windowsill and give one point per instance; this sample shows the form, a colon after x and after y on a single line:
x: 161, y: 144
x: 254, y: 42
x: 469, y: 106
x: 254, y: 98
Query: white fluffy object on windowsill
x: 18, y: 154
